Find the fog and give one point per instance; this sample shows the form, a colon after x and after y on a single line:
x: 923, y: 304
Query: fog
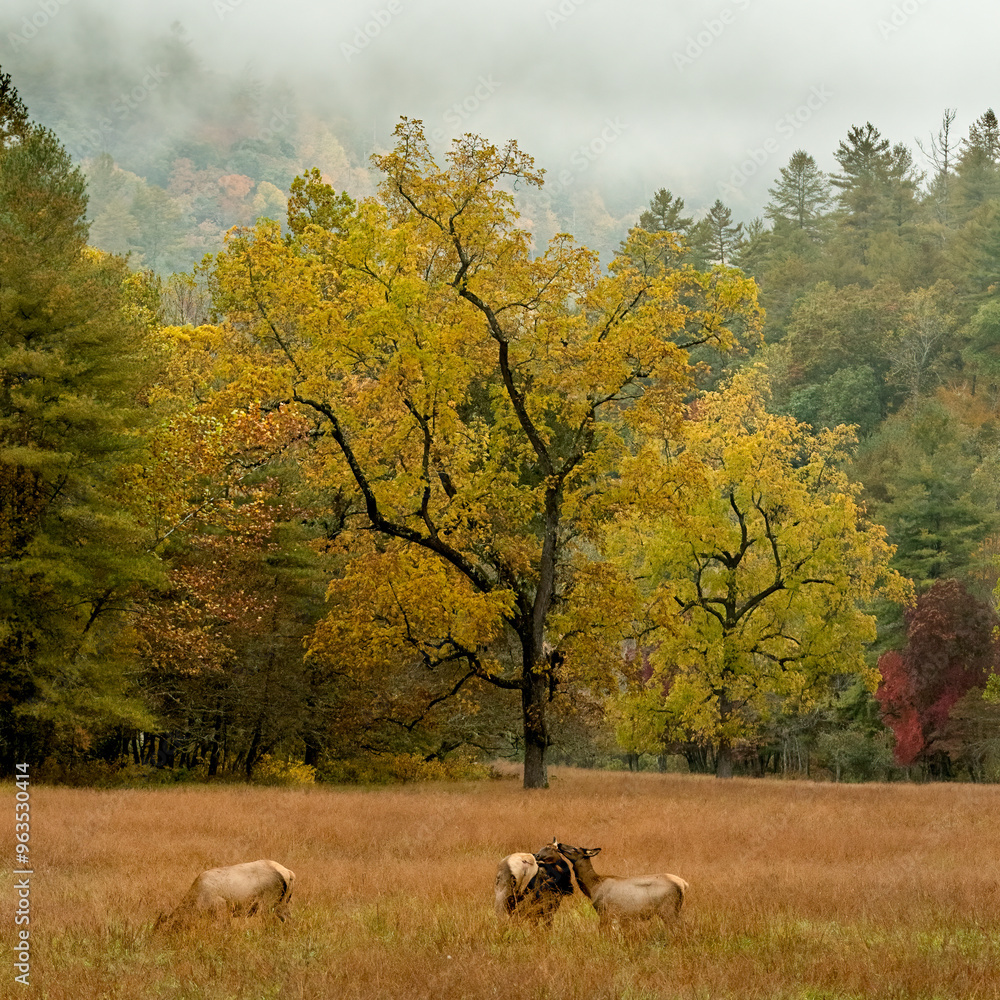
x: 709, y: 99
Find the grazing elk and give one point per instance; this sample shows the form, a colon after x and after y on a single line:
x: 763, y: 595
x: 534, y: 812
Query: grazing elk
x: 531, y: 886
x: 625, y: 900
x: 236, y: 890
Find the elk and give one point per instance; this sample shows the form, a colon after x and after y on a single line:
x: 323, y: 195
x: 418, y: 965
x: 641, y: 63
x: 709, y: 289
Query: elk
x: 236, y: 890
x: 625, y: 900
x: 514, y: 873
x: 532, y: 886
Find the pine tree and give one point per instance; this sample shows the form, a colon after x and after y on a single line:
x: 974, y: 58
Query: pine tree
x: 877, y: 190
x: 984, y: 135
x: 800, y: 196
x: 716, y: 237
x: 664, y: 214
x: 865, y: 158
x: 71, y: 365
x: 978, y: 165
x: 901, y: 185
x: 13, y: 114
x: 754, y: 252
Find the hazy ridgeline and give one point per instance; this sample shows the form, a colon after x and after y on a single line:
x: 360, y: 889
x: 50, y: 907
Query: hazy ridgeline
x: 797, y: 890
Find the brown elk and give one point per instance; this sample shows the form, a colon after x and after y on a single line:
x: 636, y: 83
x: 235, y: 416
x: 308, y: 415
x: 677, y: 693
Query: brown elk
x: 532, y: 886
x: 622, y: 900
x: 235, y: 890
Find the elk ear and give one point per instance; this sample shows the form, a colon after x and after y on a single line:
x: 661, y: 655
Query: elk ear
x: 591, y: 851
x: 555, y: 842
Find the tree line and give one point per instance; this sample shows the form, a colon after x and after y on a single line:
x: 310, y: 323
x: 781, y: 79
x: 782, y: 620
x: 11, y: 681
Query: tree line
x: 391, y: 479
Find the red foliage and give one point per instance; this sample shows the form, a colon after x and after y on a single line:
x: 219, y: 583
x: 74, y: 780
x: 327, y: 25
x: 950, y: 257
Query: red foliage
x: 951, y: 646
x: 895, y: 695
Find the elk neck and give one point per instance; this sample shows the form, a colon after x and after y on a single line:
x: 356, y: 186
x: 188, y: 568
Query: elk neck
x: 586, y: 877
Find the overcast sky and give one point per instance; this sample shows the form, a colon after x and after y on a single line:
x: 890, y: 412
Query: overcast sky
x: 707, y: 98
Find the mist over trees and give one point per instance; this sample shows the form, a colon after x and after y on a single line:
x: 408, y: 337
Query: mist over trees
x: 378, y: 472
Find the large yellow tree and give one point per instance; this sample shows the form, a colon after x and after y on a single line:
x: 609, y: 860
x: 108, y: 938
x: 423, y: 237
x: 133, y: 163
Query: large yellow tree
x: 485, y: 413
x: 761, y: 577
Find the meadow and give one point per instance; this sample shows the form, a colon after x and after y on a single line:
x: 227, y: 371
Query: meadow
x: 798, y: 890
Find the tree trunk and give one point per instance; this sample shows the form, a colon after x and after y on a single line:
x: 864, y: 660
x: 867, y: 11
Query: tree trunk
x: 165, y: 750
x: 252, y: 752
x: 724, y: 760
x: 213, y: 747
x: 536, y: 737
x: 724, y: 754
x: 536, y: 668
x: 313, y: 750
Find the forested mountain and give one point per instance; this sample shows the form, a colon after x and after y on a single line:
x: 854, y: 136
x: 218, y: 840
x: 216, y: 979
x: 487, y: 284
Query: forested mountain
x: 398, y: 478
x: 176, y: 151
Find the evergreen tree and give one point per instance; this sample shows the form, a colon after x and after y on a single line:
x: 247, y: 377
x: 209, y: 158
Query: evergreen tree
x: 715, y: 237
x: 864, y: 158
x: 974, y: 252
x: 753, y: 253
x: 71, y: 365
x: 978, y: 166
x: 800, y: 196
x: 900, y: 187
x: 984, y: 134
x: 877, y: 200
x: 664, y: 214
x: 14, y: 122
x: 920, y: 476
x: 981, y: 352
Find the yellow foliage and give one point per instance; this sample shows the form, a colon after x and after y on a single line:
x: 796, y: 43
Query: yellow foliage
x: 391, y: 606
x: 288, y: 774
x: 763, y: 572
x: 401, y: 769
x: 484, y: 412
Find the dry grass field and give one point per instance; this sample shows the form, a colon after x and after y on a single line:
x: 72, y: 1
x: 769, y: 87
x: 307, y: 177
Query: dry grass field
x: 798, y: 890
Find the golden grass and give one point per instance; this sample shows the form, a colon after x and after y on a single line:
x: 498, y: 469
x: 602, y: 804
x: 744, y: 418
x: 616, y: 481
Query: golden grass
x: 798, y: 890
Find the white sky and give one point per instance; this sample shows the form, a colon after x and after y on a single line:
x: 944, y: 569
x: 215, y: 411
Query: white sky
x: 628, y: 95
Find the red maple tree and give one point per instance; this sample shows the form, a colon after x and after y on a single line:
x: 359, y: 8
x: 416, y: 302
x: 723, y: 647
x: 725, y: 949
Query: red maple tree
x: 951, y: 647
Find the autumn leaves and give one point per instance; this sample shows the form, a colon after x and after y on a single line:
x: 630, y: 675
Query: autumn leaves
x: 523, y: 468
